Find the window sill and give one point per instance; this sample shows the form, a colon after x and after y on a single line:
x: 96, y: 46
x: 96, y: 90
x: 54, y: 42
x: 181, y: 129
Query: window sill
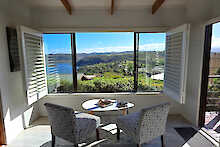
x: 120, y: 93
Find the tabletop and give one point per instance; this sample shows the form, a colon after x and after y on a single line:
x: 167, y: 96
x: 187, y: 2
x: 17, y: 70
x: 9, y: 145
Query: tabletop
x: 91, y: 105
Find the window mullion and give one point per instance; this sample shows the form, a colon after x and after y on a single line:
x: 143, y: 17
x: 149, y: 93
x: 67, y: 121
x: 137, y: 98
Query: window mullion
x: 136, y: 46
x: 73, y: 48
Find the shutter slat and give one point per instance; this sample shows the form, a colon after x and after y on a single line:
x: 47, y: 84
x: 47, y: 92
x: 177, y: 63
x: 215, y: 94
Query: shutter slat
x: 175, y: 67
x: 34, y: 64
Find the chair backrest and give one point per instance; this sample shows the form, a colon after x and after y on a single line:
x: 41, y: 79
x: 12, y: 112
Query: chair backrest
x: 62, y: 121
x: 153, y: 122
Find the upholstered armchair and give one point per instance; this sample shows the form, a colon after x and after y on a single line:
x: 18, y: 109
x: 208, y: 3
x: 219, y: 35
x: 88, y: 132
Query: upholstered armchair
x: 75, y: 128
x: 145, y: 125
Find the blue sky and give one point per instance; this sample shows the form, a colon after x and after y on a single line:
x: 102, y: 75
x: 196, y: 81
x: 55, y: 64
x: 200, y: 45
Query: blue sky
x: 103, y: 42
x: 57, y: 43
x: 216, y: 38
x: 152, y: 41
x: 114, y: 42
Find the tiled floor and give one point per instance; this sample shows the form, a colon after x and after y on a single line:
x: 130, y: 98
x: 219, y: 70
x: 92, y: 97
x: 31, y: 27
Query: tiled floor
x: 39, y: 136
x: 212, y: 124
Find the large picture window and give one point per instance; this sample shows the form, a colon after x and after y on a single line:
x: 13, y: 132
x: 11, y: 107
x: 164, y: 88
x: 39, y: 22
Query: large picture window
x: 104, y: 62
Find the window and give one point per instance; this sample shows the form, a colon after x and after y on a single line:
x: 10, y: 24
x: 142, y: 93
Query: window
x: 151, y: 56
x: 104, y: 62
x: 58, y: 62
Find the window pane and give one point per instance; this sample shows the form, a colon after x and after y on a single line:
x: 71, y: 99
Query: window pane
x: 105, y: 62
x: 58, y: 62
x: 151, y: 61
x: 213, y: 98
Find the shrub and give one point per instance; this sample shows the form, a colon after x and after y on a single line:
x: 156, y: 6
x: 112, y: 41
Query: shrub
x: 110, y: 82
x: 103, y: 84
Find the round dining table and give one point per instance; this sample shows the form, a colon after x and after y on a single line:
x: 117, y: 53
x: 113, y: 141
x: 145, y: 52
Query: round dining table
x: 92, y: 106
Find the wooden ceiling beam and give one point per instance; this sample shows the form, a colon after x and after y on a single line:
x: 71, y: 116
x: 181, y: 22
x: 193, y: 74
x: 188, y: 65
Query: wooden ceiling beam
x: 67, y: 5
x: 112, y: 7
x: 157, y: 4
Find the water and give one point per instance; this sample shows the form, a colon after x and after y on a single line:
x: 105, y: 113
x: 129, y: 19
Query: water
x: 65, y: 71
x: 63, y: 68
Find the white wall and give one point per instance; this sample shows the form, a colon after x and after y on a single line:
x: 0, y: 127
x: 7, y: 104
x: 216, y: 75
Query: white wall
x: 215, y: 10
x: 75, y: 101
x: 16, y: 112
x: 191, y: 107
x: 198, y: 14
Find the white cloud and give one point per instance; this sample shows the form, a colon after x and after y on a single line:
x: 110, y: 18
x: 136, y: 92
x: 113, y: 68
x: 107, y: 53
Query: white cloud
x: 153, y: 47
x: 145, y: 47
x: 58, y: 51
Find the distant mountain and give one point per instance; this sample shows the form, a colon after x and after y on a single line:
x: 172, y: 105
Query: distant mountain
x: 106, y: 57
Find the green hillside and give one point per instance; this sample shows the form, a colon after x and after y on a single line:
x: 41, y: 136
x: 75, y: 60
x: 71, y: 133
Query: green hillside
x: 113, y: 71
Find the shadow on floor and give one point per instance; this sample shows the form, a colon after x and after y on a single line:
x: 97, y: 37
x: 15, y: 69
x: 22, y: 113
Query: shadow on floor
x: 186, y: 132
x: 213, y: 122
x: 109, y: 140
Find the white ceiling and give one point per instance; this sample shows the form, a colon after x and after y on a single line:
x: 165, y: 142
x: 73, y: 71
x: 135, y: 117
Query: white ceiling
x: 102, y: 4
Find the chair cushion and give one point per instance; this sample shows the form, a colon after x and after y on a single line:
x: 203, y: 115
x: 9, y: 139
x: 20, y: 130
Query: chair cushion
x: 84, y: 128
x: 86, y: 115
x: 130, y: 124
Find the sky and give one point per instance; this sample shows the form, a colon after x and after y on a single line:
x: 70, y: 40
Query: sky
x: 57, y: 43
x: 216, y: 38
x: 103, y: 42
x: 114, y: 42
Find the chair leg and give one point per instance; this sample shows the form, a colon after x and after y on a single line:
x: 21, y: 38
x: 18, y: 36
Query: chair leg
x: 97, y: 134
x: 118, y: 133
x: 53, y: 140
x: 162, y: 141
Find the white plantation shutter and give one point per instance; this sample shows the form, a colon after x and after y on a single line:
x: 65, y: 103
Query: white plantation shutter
x: 53, y: 75
x: 34, y: 64
x: 177, y: 44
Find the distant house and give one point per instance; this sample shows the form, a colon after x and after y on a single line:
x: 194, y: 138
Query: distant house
x: 158, y: 77
x: 88, y: 77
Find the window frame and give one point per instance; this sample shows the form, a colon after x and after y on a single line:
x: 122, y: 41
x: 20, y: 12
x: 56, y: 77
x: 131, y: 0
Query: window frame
x: 135, y: 59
